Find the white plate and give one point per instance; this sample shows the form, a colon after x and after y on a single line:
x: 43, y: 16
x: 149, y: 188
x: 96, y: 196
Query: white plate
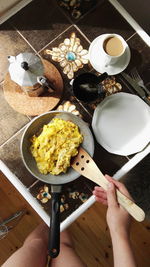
x: 96, y: 59
x: 121, y: 124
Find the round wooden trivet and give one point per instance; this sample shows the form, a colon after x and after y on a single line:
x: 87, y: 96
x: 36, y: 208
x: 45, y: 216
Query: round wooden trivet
x: 33, y: 106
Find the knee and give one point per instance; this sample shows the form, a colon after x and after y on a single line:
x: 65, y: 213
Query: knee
x: 37, y: 244
x: 67, y: 243
x: 66, y: 240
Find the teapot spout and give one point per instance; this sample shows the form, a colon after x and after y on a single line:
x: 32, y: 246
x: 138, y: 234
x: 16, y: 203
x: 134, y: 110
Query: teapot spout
x: 11, y: 59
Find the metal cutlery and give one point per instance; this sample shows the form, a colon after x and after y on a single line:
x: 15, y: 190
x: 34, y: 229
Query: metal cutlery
x: 136, y: 87
x: 135, y: 75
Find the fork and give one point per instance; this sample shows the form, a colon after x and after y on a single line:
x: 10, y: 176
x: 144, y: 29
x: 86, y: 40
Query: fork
x: 135, y: 75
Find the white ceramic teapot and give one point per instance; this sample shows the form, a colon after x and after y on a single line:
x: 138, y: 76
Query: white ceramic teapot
x: 26, y: 69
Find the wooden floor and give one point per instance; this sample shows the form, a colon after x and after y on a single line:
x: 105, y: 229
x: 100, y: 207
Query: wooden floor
x: 90, y: 232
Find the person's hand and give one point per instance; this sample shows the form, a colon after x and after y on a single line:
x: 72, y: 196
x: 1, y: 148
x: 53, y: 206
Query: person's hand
x: 118, y: 218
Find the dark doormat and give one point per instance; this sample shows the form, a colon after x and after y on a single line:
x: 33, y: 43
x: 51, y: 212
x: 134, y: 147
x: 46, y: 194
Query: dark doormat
x: 75, y: 9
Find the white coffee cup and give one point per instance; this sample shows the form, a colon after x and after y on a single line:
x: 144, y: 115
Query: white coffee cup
x: 112, y: 48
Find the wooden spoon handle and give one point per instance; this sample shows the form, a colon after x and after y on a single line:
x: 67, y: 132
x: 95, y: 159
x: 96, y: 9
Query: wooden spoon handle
x: 86, y: 166
x: 133, y: 209
x: 124, y: 201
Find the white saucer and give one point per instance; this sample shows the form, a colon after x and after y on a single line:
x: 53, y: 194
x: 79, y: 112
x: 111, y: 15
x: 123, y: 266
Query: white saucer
x: 95, y: 58
x: 121, y: 124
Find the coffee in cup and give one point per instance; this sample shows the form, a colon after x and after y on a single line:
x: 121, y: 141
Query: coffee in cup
x: 113, y: 46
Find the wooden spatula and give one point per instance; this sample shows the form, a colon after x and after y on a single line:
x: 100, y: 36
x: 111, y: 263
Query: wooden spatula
x: 86, y: 166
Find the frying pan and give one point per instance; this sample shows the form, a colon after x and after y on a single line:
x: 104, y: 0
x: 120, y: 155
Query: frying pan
x: 56, y: 181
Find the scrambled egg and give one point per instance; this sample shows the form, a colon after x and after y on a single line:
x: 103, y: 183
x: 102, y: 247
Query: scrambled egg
x: 55, y: 146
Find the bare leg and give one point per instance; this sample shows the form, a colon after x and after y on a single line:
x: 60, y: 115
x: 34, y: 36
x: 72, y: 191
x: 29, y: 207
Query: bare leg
x: 67, y: 256
x: 34, y: 250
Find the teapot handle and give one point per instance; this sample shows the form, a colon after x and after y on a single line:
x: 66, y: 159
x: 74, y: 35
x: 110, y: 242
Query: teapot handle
x: 45, y: 83
x: 102, y: 77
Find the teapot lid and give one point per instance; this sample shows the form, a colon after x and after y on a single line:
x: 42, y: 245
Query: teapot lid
x: 25, y: 68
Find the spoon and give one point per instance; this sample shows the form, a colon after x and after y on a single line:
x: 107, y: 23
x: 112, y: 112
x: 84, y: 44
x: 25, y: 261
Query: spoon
x: 86, y: 166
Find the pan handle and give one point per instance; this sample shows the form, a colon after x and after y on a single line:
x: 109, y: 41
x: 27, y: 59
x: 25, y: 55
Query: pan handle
x: 54, y: 238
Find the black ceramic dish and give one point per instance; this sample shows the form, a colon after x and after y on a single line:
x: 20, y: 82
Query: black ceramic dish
x: 87, y: 87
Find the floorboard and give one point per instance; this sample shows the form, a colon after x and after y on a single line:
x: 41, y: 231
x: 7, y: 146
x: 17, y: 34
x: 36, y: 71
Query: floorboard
x: 90, y: 232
